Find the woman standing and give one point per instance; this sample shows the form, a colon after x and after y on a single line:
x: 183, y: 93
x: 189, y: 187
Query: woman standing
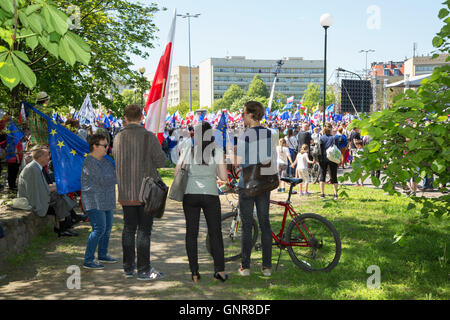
x: 342, y: 143
x: 206, y: 161
x: 292, y: 144
x: 326, y: 141
x: 98, y: 193
x: 283, y: 160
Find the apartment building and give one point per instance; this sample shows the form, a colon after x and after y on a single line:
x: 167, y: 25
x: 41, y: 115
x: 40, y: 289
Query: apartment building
x: 179, y: 84
x: 217, y: 74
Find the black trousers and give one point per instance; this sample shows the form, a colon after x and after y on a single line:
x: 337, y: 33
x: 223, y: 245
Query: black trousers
x: 192, y: 203
x: 136, y: 221
x: 13, y: 169
x: 324, y: 165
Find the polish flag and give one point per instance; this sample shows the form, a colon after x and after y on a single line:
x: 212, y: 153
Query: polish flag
x: 156, y: 105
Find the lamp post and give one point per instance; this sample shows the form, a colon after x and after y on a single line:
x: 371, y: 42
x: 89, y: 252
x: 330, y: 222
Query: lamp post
x: 326, y: 20
x: 142, y: 71
x: 189, y: 16
x: 366, y: 52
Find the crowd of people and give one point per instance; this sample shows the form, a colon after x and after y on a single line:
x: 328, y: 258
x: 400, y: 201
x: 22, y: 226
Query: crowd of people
x: 293, y: 148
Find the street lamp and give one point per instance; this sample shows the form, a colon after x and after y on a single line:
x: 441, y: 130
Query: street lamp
x: 366, y: 52
x: 142, y: 71
x: 189, y: 16
x: 326, y: 20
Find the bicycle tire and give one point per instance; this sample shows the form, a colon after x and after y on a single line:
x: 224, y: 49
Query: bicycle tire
x: 299, y: 255
x: 232, y: 246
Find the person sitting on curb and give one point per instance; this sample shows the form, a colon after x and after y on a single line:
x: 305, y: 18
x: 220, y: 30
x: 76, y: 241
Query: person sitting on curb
x: 42, y: 196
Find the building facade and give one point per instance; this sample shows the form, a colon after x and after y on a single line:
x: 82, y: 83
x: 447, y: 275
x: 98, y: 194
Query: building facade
x: 417, y: 66
x: 217, y: 74
x: 179, y: 84
x: 388, y: 69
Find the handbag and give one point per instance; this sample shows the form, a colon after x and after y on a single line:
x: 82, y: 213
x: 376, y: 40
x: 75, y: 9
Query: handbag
x: 179, y: 184
x: 153, y: 194
x: 256, y: 183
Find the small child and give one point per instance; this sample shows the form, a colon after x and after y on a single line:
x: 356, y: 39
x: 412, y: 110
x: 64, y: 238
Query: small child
x: 302, y: 161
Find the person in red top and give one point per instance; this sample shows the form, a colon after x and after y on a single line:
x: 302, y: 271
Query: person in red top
x: 14, y: 165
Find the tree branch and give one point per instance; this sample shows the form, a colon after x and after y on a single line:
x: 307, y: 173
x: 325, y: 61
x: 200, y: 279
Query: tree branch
x: 48, y: 67
x: 42, y: 57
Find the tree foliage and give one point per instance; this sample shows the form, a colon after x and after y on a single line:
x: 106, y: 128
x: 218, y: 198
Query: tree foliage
x: 410, y: 140
x: 114, y: 30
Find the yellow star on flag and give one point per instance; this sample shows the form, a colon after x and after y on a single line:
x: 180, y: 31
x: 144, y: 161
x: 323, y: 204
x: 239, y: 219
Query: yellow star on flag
x: 60, y: 144
x: 53, y: 132
x: 73, y: 152
x: 85, y: 155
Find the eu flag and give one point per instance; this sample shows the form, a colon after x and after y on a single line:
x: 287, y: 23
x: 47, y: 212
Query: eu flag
x: 68, y: 152
x: 14, y: 137
x: 220, y: 136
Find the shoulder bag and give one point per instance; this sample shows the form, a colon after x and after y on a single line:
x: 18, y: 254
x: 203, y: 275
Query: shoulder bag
x: 333, y: 153
x: 153, y: 194
x: 179, y: 184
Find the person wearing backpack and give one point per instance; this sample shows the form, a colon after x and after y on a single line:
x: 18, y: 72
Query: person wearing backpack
x: 342, y: 144
x: 327, y: 140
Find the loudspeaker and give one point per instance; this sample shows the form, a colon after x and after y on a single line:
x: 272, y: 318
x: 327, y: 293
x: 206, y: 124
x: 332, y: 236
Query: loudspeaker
x: 358, y: 92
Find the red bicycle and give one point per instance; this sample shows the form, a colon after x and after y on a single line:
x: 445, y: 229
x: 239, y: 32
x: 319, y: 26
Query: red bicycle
x: 312, y: 242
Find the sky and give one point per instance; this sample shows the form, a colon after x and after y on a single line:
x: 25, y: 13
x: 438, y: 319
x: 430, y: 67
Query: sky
x: 263, y: 29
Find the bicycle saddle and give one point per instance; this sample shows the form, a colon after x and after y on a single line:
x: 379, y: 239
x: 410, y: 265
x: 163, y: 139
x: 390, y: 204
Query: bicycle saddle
x: 293, y: 181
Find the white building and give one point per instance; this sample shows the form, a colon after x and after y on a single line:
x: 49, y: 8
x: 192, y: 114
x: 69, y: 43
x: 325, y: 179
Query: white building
x: 217, y: 74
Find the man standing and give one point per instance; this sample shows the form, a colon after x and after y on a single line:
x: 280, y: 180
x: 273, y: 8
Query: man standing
x: 137, y: 154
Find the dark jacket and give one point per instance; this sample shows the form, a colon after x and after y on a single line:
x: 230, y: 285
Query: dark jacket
x: 137, y: 154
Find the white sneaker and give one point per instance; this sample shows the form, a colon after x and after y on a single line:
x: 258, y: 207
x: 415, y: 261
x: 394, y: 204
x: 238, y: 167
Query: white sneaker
x: 244, y: 272
x: 266, y: 271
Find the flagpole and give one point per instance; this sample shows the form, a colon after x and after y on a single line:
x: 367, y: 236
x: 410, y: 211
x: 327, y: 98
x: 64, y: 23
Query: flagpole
x: 160, y: 105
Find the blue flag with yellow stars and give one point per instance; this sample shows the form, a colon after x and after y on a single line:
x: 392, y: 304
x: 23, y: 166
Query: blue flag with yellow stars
x: 68, y: 152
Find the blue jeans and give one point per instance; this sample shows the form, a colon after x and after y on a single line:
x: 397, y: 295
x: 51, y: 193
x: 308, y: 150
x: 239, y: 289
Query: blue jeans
x: 246, y: 205
x: 101, y: 222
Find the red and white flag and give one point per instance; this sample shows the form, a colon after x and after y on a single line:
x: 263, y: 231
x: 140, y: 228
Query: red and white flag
x: 156, y: 105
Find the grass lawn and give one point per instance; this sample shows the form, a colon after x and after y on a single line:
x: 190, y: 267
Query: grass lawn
x: 417, y: 267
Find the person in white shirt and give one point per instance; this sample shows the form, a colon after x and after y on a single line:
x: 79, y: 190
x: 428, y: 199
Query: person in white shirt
x: 283, y: 155
x: 302, y: 161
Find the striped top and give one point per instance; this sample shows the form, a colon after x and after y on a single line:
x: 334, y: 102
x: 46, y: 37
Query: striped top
x: 98, y: 184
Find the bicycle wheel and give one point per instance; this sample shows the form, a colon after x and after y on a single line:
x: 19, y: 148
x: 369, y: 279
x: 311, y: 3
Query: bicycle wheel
x: 232, y: 237
x: 321, y: 251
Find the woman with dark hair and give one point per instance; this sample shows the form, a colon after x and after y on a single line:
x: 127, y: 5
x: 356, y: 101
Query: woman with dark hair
x: 326, y: 141
x: 291, y: 143
x: 98, y: 193
x: 207, y: 161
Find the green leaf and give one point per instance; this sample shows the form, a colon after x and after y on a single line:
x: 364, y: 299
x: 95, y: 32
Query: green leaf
x: 437, y: 41
x: 23, y: 19
x: 375, y: 181
x: 443, y: 13
x: 55, y: 19
x: 6, y: 35
x: 50, y: 46
x: 437, y: 166
x: 22, y: 56
x: 31, y: 41
x: 79, y: 47
x: 65, y: 52
x: 2, y: 49
x: 27, y: 76
x: 33, y: 8
x: 35, y: 22
x: 7, y: 5
x: 9, y: 74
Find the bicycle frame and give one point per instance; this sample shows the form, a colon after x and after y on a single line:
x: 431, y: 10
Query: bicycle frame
x: 279, y: 238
